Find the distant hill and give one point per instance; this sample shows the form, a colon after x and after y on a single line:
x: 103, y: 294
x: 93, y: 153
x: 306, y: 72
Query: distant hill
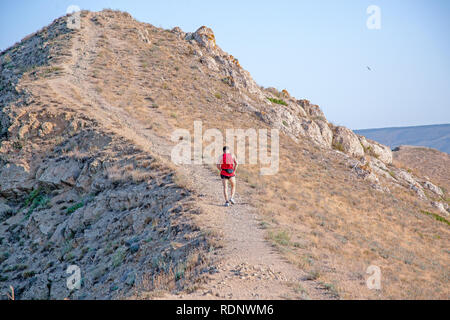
x: 433, y: 136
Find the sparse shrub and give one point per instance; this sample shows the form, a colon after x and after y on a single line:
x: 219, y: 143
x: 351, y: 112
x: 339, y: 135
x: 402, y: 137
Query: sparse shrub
x: 20, y: 267
x: 118, y: 257
x: 299, y: 289
x: 436, y: 216
x: 218, y: 95
x: 75, y: 207
x: 7, y: 59
x: 331, y: 288
x: 4, y: 256
x: 36, y: 200
x: 51, y: 70
x: 263, y: 225
x: 29, y: 68
x: 339, y: 146
x: 285, y: 123
x: 179, y: 271
x: 140, y: 175
x: 228, y: 80
x: 32, y: 196
x: 282, y: 238
x: 277, y: 101
x: 28, y: 274
x: 369, y: 150
x: 66, y: 249
x: 17, y: 145
x: 313, y: 275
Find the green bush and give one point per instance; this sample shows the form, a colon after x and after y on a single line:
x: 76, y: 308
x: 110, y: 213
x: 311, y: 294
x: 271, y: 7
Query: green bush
x: 35, y: 200
x: 118, y: 257
x: 17, y: 145
x: 75, y: 207
x: 436, y: 216
x: 277, y: 101
x: 282, y: 238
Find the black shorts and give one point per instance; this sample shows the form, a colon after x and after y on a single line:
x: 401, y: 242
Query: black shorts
x: 226, y: 177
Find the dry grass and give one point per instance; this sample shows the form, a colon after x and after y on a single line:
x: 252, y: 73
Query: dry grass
x: 128, y: 173
x: 172, y: 278
x: 425, y: 162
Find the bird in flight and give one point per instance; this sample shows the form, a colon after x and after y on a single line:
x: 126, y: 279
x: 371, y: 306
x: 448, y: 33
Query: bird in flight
x: 368, y: 68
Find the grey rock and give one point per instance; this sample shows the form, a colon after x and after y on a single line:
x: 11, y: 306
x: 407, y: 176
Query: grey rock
x: 433, y: 188
x: 59, y: 173
x: 441, y: 207
x: 134, y: 248
x: 347, y: 141
x: 131, y: 278
x: 14, y: 180
x: 381, y: 152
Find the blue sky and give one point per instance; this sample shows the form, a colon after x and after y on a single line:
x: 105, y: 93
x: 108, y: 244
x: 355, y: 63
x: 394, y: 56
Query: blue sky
x: 318, y: 50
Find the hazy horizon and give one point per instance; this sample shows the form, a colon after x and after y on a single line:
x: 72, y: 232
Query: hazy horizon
x: 323, y: 51
x: 425, y: 125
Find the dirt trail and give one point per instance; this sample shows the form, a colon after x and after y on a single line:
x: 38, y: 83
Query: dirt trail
x: 250, y: 268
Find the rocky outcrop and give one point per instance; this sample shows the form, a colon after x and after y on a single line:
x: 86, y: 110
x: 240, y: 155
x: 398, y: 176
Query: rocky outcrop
x: 377, y: 150
x: 326, y: 132
x: 312, y: 110
x: 14, y: 180
x: 116, y: 229
x: 59, y: 173
x: 442, y: 207
x: 347, y: 141
x: 5, y: 210
x: 436, y: 190
x: 407, y: 178
x: 410, y: 182
x: 317, y: 134
x: 216, y: 60
x: 204, y: 36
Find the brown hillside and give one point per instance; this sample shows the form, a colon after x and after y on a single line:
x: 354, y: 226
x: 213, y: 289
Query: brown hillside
x: 426, y: 162
x: 86, y: 178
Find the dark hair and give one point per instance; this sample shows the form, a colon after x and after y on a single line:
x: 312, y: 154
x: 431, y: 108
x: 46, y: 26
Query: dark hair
x: 225, y: 149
